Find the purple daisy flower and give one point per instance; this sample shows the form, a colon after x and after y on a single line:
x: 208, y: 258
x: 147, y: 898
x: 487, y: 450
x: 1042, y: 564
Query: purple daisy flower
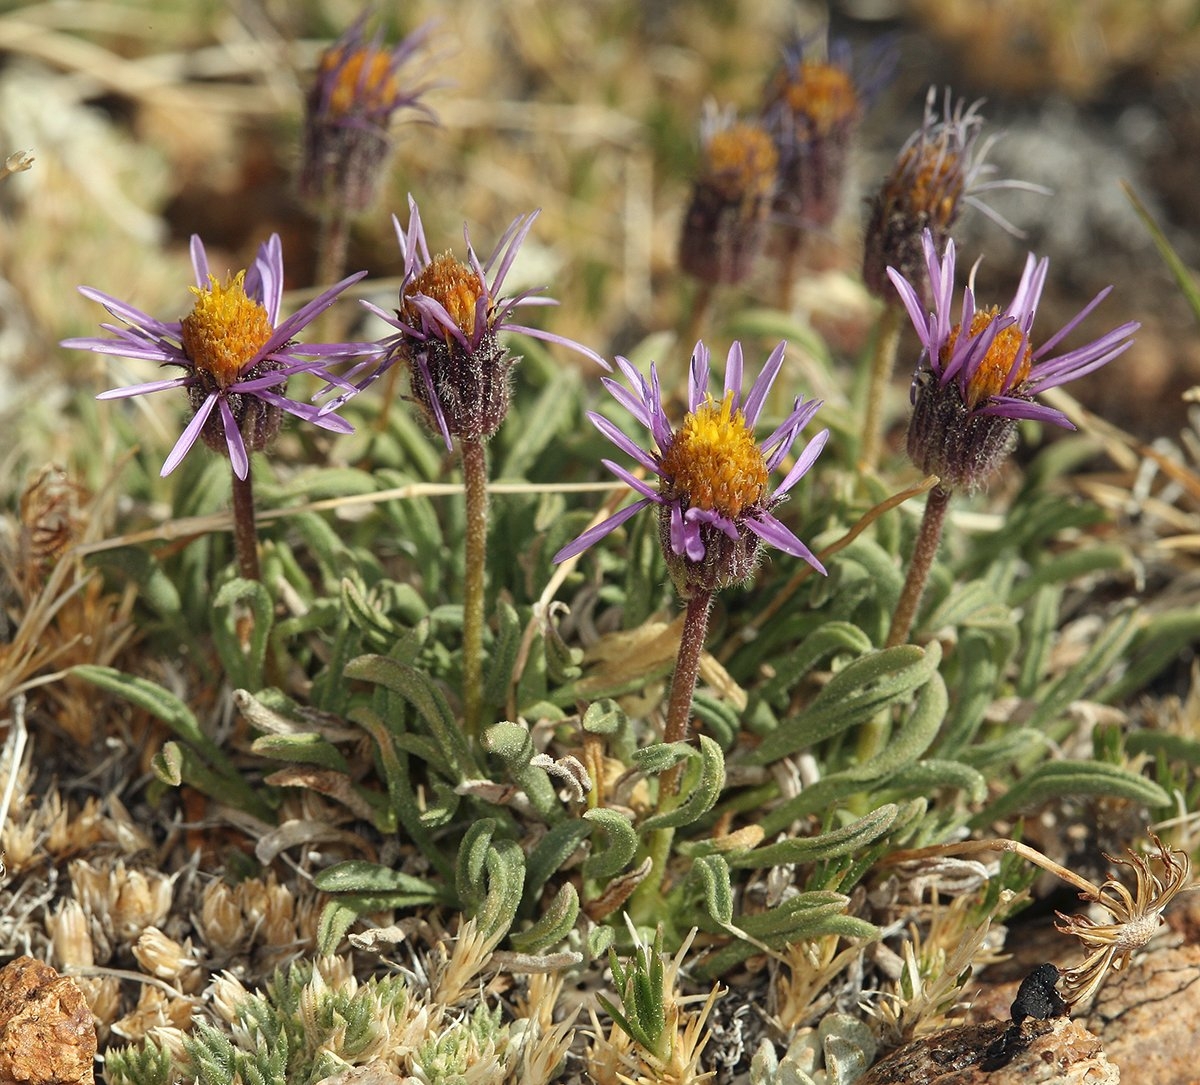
x: 941, y: 166
x: 712, y: 494
x: 236, y: 355
x: 976, y: 377
x: 357, y: 90
x: 449, y: 318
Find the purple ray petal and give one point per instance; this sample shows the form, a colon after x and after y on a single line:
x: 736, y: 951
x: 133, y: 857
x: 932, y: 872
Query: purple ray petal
x: 624, y: 443
x: 595, y: 534
x: 803, y: 462
x: 189, y: 435
x: 233, y: 440
x: 762, y: 385
x: 772, y: 532
x: 1013, y: 407
x: 305, y: 315
x: 734, y: 364
x: 144, y: 389
x: 632, y: 481
x: 199, y: 261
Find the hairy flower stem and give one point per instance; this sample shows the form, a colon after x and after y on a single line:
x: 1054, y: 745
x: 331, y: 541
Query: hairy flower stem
x: 474, y: 461
x: 245, y: 532
x: 925, y: 550
x: 887, y: 339
x: 333, y: 243
x: 698, y: 314
x: 789, y: 264
x: 679, y: 713
x: 687, y: 667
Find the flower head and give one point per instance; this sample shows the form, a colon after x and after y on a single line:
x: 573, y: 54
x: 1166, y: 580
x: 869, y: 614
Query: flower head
x: 356, y: 91
x: 812, y: 108
x: 714, y: 503
x: 722, y: 229
x: 451, y: 314
x: 1135, y: 917
x: 938, y: 169
x: 976, y: 377
x: 237, y: 355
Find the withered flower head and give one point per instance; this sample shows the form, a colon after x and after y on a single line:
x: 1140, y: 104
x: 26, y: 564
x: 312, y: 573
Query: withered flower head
x: 976, y: 377
x: 937, y: 170
x: 1135, y: 917
x: 450, y: 318
x: 723, y: 227
x: 713, y: 499
x: 357, y: 90
x: 236, y: 354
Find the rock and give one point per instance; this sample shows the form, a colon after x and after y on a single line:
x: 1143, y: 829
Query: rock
x: 1057, y: 1052
x: 1146, y: 1016
x: 47, y: 1034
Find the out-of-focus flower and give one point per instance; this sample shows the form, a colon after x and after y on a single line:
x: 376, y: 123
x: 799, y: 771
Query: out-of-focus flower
x: 938, y: 169
x: 357, y: 90
x: 976, y: 377
x: 451, y: 314
x: 812, y: 108
x: 723, y: 227
x: 714, y: 503
x: 1135, y: 917
x: 237, y: 355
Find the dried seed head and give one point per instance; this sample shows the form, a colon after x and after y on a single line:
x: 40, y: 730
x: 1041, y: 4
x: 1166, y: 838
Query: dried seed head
x: 69, y: 935
x: 155, y: 1010
x: 162, y: 956
x: 220, y: 920
x: 120, y: 903
x: 1135, y: 917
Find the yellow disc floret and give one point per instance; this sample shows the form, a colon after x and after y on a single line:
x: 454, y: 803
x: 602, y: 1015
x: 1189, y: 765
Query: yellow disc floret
x: 714, y: 462
x: 928, y: 178
x: 824, y: 94
x: 225, y: 328
x: 365, y: 81
x: 742, y: 160
x: 992, y: 376
x: 454, y: 285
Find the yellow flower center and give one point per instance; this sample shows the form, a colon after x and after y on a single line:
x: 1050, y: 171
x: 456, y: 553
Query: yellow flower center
x: 454, y: 285
x: 824, y: 93
x: 991, y: 378
x: 225, y: 328
x: 743, y: 159
x: 714, y: 462
x: 928, y: 178
x: 365, y: 80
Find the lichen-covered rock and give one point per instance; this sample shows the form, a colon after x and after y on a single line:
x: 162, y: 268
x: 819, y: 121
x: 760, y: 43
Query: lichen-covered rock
x: 1057, y: 1052
x: 47, y: 1035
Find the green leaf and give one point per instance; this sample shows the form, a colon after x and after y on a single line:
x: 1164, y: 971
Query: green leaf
x: 418, y: 689
x: 304, y: 749
x: 702, y: 793
x: 552, y: 851
x: 1055, y: 780
x: 471, y: 864
x: 711, y: 872
x: 243, y: 667
x: 830, y: 639
x: 336, y: 919
x: 828, y: 845
x: 855, y: 694
x: 361, y: 876
x: 555, y: 924
x: 505, y: 865
x: 620, y: 845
